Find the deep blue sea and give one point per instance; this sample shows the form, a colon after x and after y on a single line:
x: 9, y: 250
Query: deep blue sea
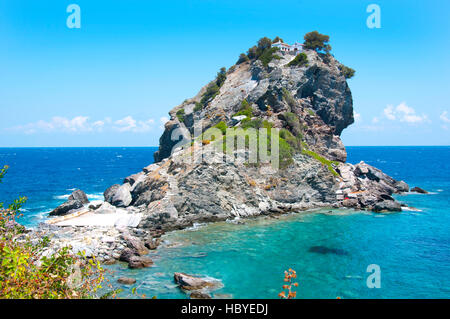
x: 412, y: 248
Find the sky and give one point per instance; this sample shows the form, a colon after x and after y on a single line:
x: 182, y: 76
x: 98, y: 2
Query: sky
x: 112, y: 81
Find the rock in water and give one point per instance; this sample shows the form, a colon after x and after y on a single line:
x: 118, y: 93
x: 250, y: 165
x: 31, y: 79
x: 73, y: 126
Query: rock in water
x: 188, y: 282
x: 137, y: 262
x: 75, y: 201
x: 66, y: 208
x: 126, y: 281
x: 199, y: 295
x: 387, y: 206
x: 80, y: 196
x: 418, y: 190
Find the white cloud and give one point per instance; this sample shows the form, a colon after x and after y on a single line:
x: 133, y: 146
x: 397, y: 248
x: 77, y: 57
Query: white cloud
x: 404, y: 113
x: 375, y: 120
x: 80, y: 124
x: 357, y: 116
x: 444, y: 117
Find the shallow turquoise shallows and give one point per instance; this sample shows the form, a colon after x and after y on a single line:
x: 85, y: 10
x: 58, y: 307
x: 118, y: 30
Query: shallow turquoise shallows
x: 330, y: 250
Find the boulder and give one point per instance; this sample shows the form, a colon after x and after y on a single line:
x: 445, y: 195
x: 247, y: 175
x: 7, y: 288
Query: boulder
x: 418, y: 190
x: 188, y: 282
x: 79, y: 195
x: 137, y: 262
x: 126, y: 281
x: 118, y: 195
x: 126, y: 254
x: 135, y: 244
x: 387, y: 206
x: 105, y: 208
x: 401, y: 186
x: 66, y: 208
x: 109, y: 192
x: 152, y: 243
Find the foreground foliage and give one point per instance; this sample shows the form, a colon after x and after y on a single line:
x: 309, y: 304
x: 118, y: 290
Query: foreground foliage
x: 29, y: 270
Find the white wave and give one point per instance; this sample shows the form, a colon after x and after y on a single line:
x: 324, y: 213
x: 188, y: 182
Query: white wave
x: 96, y: 196
x: 411, y: 209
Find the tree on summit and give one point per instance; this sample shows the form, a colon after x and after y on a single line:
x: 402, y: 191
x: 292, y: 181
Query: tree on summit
x: 317, y: 41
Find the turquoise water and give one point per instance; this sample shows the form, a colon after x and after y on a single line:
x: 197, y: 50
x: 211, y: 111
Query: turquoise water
x: 412, y: 248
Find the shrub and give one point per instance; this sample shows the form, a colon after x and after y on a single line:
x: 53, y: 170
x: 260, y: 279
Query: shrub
x: 25, y: 273
x: 242, y: 58
x: 252, y: 53
x: 180, y: 115
x: 300, y: 60
x: 214, y: 87
x: 317, y: 41
x: 264, y: 43
x: 329, y: 164
x: 346, y: 71
x: 277, y: 39
x: 288, y: 98
x: 198, y: 107
x: 221, y: 76
x: 222, y: 126
x: 246, y: 109
x: 293, y: 122
x: 268, y: 55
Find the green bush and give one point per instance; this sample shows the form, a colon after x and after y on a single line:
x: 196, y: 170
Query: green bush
x: 222, y: 126
x: 198, y: 106
x: 329, y: 164
x: 246, y: 109
x: 214, y: 88
x: 268, y: 55
x: 300, y: 60
x: 293, y: 122
x: 242, y: 58
x: 346, y: 71
x: 180, y: 115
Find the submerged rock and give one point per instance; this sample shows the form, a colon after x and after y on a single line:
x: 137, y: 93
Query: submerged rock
x: 326, y: 250
x: 199, y: 295
x: 126, y: 281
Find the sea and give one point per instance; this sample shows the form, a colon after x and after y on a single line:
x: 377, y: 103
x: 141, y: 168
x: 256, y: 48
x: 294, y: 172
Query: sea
x: 334, y: 252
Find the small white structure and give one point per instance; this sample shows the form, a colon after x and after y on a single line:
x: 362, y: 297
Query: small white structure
x: 284, y: 47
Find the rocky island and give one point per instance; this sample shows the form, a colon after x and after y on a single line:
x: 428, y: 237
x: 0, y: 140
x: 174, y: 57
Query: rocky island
x: 304, y: 96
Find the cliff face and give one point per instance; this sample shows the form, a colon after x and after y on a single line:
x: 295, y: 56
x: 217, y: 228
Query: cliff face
x: 312, y: 104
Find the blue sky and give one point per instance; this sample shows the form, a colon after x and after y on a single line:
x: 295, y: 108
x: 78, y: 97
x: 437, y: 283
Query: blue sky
x: 112, y: 82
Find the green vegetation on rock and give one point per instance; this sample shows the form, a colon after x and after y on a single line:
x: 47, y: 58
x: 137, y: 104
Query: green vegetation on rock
x: 246, y: 109
x: 346, y: 71
x: 180, y: 114
x: 300, y: 60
